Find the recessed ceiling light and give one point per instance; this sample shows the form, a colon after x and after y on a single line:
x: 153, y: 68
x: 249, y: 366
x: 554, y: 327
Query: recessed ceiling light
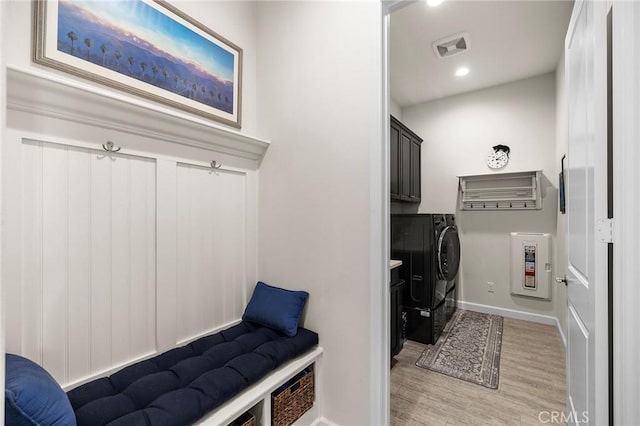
x: 462, y: 71
x: 434, y: 3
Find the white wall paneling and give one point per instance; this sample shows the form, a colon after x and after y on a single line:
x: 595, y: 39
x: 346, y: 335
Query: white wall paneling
x: 114, y: 257
x: 210, y: 248
x: 166, y: 255
x: 87, y: 225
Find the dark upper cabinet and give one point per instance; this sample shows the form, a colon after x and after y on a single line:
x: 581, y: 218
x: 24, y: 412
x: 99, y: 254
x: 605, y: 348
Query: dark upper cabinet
x: 405, y: 163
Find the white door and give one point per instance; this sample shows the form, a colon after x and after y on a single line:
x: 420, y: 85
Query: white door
x: 587, y: 365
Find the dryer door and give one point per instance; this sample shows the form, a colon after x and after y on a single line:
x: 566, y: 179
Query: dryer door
x: 448, y: 254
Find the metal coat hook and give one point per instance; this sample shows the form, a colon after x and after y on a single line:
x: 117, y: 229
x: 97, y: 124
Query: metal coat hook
x: 215, y: 165
x: 110, y: 147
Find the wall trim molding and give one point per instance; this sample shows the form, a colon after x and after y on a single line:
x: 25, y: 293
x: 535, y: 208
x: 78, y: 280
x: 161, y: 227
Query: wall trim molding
x: 509, y: 313
x: 323, y: 421
x: 562, y: 336
x: 41, y: 93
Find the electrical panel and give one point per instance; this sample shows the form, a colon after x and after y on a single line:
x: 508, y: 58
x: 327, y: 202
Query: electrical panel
x: 531, y: 265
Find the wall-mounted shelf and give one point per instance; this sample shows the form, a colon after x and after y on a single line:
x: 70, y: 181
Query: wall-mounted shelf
x: 41, y: 93
x: 501, y: 191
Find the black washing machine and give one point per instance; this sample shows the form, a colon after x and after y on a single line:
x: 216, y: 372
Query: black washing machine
x: 449, y: 258
x: 429, y: 248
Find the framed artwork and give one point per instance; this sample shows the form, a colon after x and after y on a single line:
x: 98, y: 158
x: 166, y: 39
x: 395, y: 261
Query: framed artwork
x: 147, y: 48
x: 562, y: 205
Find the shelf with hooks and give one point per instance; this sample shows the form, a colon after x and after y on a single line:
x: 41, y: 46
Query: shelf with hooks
x: 501, y: 191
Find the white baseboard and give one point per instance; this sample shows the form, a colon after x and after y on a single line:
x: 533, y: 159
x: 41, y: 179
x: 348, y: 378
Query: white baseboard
x: 562, y: 336
x: 323, y: 421
x: 512, y: 313
x: 509, y: 313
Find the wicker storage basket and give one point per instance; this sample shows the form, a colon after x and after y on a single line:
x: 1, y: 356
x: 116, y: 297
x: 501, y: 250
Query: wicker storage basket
x: 289, y: 404
x: 247, y: 419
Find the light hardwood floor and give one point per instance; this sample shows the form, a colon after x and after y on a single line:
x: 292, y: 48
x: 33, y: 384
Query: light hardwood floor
x: 532, y: 380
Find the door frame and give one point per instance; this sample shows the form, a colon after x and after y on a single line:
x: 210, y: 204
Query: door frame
x: 3, y: 127
x: 379, y: 245
x: 379, y: 299
x: 626, y: 203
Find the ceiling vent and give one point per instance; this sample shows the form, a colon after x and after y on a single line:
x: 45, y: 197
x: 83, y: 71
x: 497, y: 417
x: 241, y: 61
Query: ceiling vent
x: 451, y: 46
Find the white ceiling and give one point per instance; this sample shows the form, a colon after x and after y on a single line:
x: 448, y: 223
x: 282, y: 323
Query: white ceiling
x: 509, y: 40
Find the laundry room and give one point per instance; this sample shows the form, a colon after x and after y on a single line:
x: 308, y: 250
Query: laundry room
x: 478, y: 139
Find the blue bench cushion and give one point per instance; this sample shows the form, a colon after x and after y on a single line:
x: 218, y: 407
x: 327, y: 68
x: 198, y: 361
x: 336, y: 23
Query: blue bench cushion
x: 180, y: 386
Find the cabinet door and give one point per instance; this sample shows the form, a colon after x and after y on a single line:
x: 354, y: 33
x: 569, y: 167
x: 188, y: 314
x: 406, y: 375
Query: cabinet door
x: 405, y: 166
x: 395, y: 166
x: 414, y: 185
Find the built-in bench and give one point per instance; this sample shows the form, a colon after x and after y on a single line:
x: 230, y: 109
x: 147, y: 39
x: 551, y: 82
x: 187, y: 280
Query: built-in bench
x: 211, y: 380
x: 180, y: 386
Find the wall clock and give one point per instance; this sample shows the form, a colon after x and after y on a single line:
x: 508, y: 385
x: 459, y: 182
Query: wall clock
x: 499, y: 157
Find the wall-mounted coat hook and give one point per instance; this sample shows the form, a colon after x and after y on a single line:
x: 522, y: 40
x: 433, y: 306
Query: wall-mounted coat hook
x: 215, y: 165
x: 110, y: 147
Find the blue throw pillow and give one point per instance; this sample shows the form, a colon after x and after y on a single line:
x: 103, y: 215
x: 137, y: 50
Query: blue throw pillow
x: 276, y: 308
x: 33, y: 397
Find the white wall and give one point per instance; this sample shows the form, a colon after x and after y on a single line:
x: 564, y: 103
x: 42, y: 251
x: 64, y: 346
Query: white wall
x: 234, y: 20
x: 561, y: 224
x: 395, y: 109
x: 319, y: 80
x: 458, y: 134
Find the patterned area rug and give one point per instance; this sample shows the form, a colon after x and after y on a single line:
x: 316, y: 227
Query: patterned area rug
x: 468, y: 349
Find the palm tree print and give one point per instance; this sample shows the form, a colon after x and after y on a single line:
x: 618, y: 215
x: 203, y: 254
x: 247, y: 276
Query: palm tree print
x: 209, y: 92
x: 73, y: 37
x: 89, y: 43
